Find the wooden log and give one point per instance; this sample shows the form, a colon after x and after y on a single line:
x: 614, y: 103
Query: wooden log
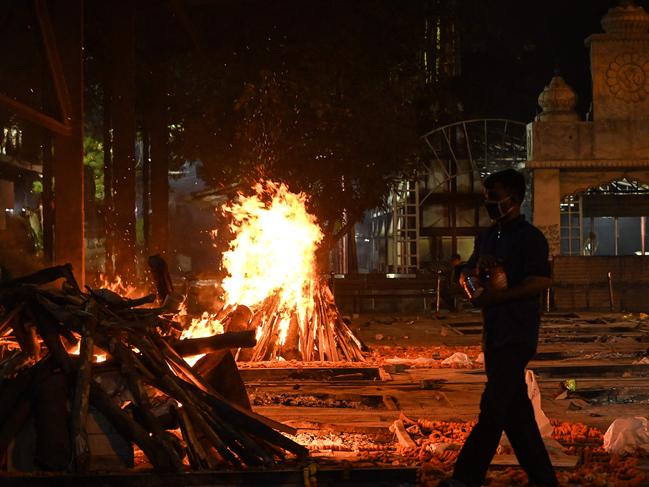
x: 224, y: 312
x: 130, y: 430
x: 200, y: 384
x: 198, y: 456
x: 403, y: 437
x: 14, y: 424
x: 57, y: 312
x: 219, y: 369
x: 273, y: 339
x: 355, y: 346
x: 310, y: 336
x: 305, y: 333
x: 12, y: 316
x: 133, y: 378
x: 255, y: 424
x: 45, y: 276
x: 220, y: 432
x: 18, y: 360
x: 232, y: 339
x: 117, y: 302
x: 16, y: 388
x: 169, y: 383
x: 321, y: 353
x: 51, y: 416
x: 25, y: 338
x: 160, y: 271
x: 250, y: 451
x: 267, y: 340
x: 240, y: 319
x: 49, y: 332
x: 60, y: 298
x: 79, y: 408
x: 245, y: 354
x: 330, y: 343
x: 290, y: 350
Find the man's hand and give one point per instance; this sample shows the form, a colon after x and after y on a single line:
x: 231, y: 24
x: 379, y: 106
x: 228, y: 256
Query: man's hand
x: 489, y: 297
x: 530, y: 287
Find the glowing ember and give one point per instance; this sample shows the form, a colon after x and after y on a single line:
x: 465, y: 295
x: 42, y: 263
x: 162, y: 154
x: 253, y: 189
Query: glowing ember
x: 76, y: 349
x: 205, y: 326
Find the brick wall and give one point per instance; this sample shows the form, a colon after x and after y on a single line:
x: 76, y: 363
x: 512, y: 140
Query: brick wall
x: 580, y: 283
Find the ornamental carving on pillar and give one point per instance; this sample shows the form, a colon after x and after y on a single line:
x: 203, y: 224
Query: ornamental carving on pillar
x: 628, y: 77
x: 552, y: 235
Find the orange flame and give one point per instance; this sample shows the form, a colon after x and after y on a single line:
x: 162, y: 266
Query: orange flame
x: 205, y: 326
x: 76, y: 350
x: 272, y: 254
x: 273, y: 251
x: 118, y: 286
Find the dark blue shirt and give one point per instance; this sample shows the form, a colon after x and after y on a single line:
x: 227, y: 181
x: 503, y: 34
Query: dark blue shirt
x: 523, y: 251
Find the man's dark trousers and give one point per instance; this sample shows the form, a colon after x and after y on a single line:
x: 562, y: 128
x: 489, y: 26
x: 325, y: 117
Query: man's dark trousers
x: 506, y: 406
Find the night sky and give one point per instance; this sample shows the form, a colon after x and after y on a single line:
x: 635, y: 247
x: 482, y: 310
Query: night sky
x: 509, y: 48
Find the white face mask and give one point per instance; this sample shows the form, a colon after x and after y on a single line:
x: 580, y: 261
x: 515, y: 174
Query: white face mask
x: 495, y: 208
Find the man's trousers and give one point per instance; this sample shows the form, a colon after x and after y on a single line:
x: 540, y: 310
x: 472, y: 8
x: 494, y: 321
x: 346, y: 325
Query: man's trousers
x: 505, y: 406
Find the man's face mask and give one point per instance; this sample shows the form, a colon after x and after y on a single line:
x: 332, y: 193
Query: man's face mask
x: 497, y: 209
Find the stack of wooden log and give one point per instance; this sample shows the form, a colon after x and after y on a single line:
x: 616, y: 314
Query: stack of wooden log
x: 320, y: 335
x: 51, y: 338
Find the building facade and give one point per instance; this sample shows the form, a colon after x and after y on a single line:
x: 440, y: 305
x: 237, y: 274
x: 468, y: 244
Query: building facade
x: 590, y: 177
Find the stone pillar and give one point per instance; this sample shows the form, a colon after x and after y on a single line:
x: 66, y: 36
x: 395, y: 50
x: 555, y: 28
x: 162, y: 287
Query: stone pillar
x: 546, y: 212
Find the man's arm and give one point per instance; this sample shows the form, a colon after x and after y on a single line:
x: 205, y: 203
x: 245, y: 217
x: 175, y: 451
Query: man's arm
x: 530, y: 287
x: 536, y: 268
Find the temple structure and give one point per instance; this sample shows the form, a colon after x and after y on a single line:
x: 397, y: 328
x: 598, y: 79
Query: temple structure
x: 590, y: 176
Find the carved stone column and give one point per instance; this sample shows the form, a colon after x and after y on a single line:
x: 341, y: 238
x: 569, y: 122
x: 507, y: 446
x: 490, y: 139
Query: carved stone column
x: 547, y: 198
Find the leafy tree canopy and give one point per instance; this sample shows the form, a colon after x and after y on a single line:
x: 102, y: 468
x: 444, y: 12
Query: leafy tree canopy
x: 323, y: 103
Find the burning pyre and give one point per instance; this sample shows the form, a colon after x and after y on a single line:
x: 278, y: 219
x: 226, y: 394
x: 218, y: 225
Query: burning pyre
x: 272, y: 284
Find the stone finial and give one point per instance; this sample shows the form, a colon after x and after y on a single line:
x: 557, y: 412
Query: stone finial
x: 626, y: 18
x: 558, y: 101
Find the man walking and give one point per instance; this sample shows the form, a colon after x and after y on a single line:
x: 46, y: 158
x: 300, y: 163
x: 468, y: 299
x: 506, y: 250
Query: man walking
x: 511, y: 258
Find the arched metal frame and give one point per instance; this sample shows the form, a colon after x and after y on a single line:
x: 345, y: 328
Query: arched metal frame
x: 488, y: 145
x: 465, y: 151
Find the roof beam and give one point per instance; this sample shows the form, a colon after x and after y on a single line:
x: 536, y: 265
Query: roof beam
x: 35, y: 116
x: 54, y: 60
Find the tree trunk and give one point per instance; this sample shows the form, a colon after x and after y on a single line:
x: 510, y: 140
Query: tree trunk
x: 122, y: 41
x: 159, y: 152
x: 109, y: 205
x: 48, y: 200
x: 146, y: 187
x: 69, y: 245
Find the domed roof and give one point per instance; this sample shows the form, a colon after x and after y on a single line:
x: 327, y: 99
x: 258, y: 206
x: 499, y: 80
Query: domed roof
x: 626, y: 18
x: 558, y: 101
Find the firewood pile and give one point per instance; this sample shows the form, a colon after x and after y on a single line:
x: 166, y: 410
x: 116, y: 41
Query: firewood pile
x: 65, y: 351
x: 319, y: 335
